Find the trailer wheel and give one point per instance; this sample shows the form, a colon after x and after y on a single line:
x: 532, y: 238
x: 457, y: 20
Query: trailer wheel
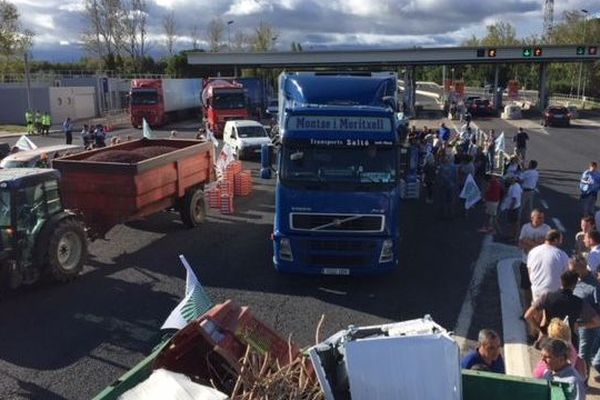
x: 67, y: 250
x: 193, y: 208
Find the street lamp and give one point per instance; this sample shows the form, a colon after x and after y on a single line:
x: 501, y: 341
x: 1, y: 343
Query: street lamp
x: 585, y: 13
x: 273, y: 39
x: 229, y: 34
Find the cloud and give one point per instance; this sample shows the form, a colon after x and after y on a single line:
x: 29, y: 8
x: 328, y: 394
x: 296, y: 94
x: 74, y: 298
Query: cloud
x: 316, y: 23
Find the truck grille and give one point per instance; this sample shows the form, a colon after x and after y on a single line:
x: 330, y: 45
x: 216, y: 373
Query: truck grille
x: 336, y: 261
x: 342, y: 245
x: 337, y: 222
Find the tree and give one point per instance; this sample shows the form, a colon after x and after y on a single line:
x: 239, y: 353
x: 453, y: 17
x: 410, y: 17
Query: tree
x: 241, y: 41
x: 14, y: 40
x: 214, y: 33
x: 264, y: 38
x: 170, y: 29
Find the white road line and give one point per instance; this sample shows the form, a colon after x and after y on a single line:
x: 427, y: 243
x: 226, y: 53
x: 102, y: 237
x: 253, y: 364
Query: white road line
x: 544, y: 204
x: 559, y: 225
x: 516, y: 354
x: 490, y: 254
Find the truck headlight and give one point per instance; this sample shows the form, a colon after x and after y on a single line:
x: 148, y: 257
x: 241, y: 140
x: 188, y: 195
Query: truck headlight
x: 387, y: 251
x: 285, y: 249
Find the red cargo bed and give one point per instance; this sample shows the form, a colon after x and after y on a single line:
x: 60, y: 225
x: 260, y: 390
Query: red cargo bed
x: 109, y: 193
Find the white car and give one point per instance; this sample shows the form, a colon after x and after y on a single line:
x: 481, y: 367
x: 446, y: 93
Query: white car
x: 246, y: 137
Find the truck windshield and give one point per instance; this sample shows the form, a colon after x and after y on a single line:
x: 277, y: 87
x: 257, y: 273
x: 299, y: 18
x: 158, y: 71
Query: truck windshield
x: 5, y: 208
x: 251, y: 131
x: 363, y: 166
x: 144, y: 97
x: 229, y: 100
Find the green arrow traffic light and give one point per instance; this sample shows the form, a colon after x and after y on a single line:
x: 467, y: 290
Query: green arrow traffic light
x: 527, y: 52
x: 580, y: 51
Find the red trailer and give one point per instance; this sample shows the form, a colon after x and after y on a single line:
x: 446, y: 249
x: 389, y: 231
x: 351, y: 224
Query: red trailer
x: 107, y: 192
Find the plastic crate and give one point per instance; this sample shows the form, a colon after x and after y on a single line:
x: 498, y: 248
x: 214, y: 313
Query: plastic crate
x: 214, y: 197
x: 226, y: 205
x: 243, y: 183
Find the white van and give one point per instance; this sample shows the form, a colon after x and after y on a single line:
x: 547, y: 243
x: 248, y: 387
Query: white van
x: 246, y: 137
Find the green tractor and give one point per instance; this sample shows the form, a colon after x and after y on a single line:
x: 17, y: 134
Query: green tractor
x: 38, y: 236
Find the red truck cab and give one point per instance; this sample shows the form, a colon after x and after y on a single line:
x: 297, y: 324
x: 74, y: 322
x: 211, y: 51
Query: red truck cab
x: 223, y: 100
x: 146, y: 101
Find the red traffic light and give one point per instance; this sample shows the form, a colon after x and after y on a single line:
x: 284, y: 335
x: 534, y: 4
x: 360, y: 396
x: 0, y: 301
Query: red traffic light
x: 491, y: 52
x: 592, y: 50
x: 537, y: 52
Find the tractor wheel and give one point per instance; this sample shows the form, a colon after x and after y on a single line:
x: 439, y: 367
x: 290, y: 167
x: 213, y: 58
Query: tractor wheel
x: 67, y: 250
x: 193, y: 208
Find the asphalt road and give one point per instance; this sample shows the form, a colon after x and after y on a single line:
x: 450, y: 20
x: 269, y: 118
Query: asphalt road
x: 70, y: 341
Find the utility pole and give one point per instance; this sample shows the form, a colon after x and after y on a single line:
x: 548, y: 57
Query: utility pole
x: 229, y: 34
x: 27, y: 80
x: 585, y: 12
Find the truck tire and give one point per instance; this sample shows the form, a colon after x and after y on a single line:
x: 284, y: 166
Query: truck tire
x: 193, y: 208
x: 67, y: 250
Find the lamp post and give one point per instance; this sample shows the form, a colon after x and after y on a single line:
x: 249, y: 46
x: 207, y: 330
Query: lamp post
x: 229, y: 34
x: 585, y: 12
x: 273, y: 39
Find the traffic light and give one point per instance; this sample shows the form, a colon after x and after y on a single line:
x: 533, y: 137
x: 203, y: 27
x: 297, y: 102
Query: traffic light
x: 527, y: 52
x: 480, y: 52
x: 592, y: 50
x: 491, y: 52
x: 581, y: 51
x: 537, y: 52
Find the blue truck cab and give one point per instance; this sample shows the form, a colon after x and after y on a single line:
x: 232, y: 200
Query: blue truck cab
x: 338, y: 185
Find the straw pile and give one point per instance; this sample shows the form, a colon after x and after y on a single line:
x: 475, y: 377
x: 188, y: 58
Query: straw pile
x: 261, y: 378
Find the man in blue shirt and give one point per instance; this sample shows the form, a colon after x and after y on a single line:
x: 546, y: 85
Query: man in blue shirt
x: 589, y: 186
x: 488, y: 353
x: 444, y: 133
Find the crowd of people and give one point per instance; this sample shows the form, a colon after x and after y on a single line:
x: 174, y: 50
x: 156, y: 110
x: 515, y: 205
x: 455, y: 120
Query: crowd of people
x: 561, y: 291
x: 38, y: 123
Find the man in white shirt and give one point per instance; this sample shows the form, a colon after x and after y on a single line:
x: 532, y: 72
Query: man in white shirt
x: 545, y: 264
x: 529, y: 180
x: 592, y: 242
x: 512, y: 205
x: 532, y: 235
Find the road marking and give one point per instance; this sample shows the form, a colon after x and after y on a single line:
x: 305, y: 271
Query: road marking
x: 559, y: 225
x: 332, y: 291
x: 491, y: 253
x: 544, y: 204
x: 516, y: 354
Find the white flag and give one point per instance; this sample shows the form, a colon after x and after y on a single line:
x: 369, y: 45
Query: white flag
x: 24, y: 144
x: 212, y: 138
x: 194, y: 303
x: 226, y: 157
x: 470, y: 192
x: 148, y: 134
x: 500, y: 143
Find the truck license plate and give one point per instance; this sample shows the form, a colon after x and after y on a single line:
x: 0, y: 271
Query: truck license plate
x: 335, y: 271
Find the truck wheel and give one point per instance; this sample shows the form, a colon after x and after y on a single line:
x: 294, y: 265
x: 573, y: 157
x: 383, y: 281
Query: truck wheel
x: 193, y: 208
x: 67, y: 250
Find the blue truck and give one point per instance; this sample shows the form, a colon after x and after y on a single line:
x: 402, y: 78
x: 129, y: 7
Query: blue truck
x: 337, y: 206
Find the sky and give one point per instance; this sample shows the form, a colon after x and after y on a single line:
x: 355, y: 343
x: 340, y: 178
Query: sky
x: 316, y: 24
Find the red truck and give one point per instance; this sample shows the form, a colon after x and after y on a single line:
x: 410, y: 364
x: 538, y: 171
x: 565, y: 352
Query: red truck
x: 162, y: 100
x: 223, y: 99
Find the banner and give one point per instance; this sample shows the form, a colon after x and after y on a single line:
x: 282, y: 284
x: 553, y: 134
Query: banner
x: 226, y: 157
x: 500, y: 143
x: 195, y: 302
x: 148, y: 133
x: 24, y: 144
x: 470, y: 192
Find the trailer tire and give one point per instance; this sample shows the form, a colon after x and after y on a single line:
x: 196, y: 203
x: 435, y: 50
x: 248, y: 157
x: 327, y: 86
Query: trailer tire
x: 193, y: 208
x: 67, y: 250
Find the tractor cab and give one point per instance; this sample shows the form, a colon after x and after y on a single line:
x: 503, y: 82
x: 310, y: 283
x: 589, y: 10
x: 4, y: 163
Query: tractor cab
x: 37, y: 234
